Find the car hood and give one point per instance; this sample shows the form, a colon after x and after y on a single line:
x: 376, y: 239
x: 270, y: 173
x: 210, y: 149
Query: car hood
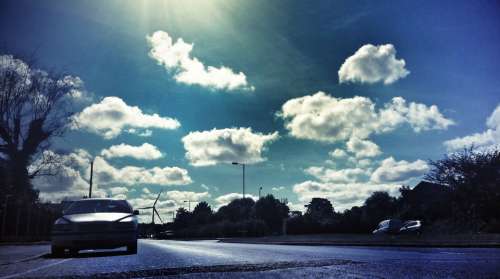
x: 96, y: 217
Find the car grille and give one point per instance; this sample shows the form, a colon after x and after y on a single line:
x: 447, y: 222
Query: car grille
x: 94, y: 227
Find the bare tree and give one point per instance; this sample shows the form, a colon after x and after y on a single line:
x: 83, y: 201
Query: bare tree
x: 35, y: 107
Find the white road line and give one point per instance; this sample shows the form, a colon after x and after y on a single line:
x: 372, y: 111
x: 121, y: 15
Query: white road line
x: 25, y: 259
x: 34, y: 269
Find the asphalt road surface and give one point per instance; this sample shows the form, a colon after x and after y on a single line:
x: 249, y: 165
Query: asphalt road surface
x: 211, y: 259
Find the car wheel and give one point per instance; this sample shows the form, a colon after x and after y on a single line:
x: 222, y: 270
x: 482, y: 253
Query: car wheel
x: 132, y: 248
x: 57, y: 251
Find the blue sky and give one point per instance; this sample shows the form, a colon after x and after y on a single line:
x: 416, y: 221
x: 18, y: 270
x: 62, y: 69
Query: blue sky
x: 287, y: 52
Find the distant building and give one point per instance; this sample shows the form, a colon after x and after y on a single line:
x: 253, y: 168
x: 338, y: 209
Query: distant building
x: 430, y: 192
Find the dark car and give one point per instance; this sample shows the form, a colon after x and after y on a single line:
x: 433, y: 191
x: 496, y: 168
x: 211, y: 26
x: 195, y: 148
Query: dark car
x: 390, y: 226
x: 95, y: 224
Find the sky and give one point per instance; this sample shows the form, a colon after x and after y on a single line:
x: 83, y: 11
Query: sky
x: 329, y: 99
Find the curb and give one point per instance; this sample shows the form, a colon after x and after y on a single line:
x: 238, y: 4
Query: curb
x: 371, y: 244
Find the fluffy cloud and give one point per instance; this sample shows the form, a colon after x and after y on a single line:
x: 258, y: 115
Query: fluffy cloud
x: 350, y: 186
x: 112, y: 116
x: 70, y: 182
x: 118, y: 190
x: 181, y: 196
x: 486, y: 139
x: 371, y: 64
x: 419, y: 116
x: 227, y: 198
x: 72, y: 179
x: 176, y: 57
x: 391, y: 170
x: 338, y: 154
x: 145, y: 151
x: 342, y: 195
x: 325, y: 118
x: 363, y: 148
x: 277, y: 189
x: 225, y: 146
x: 132, y: 175
x: 338, y: 176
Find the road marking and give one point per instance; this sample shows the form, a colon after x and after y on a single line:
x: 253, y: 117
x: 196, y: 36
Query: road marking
x: 34, y: 269
x: 24, y: 259
x: 186, y: 248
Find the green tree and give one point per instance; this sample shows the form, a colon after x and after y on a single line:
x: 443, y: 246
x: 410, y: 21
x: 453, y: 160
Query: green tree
x: 320, y: 210
x: 35, y: 107
x: 202, y: 213
x: 236, y: 210
x: 378, y: 206
x: 474, y: 178
x: 271, y: 211
x: 182, y: 219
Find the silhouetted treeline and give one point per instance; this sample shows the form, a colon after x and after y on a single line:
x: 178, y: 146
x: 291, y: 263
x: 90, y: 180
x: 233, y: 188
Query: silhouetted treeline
x: 241, y: 217
x: 461, y: 194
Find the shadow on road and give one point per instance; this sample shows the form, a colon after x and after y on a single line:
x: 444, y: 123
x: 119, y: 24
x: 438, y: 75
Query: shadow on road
x: 88, y: 254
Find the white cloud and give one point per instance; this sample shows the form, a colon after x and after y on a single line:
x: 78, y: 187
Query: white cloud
x: 145, y: 151
x: 371, y: 64
x: 180, y: 196
x: 419, y: 116
x: 72, y: 179
x: 225, y: 146
x: 338, y: 176
x: 391, y: 170
x: 227, y: 198
x: 69, y: 183
x: 112, y: 116
x: 363, y: 148
x: 132, y: 175
x: 338, y: 154
x: 176, y: 57
x: 325, y: 118
x: 277, y: 189
x: 342, y: 195
x: 118, y: 190
x: 487, y: 139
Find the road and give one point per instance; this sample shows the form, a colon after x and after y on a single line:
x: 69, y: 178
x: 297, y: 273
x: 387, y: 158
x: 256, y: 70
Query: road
x: 211, y: 259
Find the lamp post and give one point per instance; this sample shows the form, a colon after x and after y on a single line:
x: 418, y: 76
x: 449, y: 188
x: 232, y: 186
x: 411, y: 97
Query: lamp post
x: 243, y: 166
x: 189, y: 205
x: 260, y: 189
x: 91, y: 175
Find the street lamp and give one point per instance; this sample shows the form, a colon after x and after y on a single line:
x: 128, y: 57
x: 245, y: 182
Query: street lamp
x: 260, y: 189
x: 189, y: 205
x: 243, y: 166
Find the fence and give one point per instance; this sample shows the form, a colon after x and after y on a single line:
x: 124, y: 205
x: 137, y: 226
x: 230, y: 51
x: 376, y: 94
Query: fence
x: 21, y: 221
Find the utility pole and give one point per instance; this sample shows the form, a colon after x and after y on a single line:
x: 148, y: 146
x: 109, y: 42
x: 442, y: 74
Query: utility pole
x: 243, y: 166
x: 243, y: 180
x: 91, y: 174
x: 189, y: 205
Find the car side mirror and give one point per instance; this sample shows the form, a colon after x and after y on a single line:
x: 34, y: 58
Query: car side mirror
x: 136, y: 212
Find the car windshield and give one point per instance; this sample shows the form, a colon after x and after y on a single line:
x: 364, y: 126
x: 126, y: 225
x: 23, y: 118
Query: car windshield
x: 95, y: 206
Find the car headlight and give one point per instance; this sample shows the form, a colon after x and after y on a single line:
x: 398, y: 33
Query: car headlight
x: 61, y: 221
x: 128, y: 219
x: 62, y: 224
